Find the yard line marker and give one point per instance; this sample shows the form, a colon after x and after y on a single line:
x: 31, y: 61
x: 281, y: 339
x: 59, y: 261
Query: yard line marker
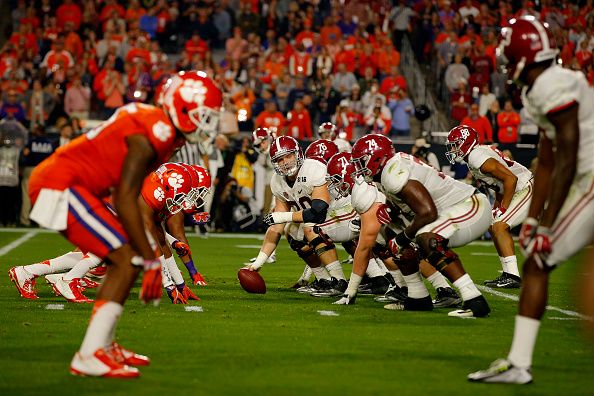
x: 194, y: 309
x: 549, y: 307
x: 483, y: 254
x: 55, y: 307
x: 328, y: 313
x: 559, y: 318
x: 16, y: 243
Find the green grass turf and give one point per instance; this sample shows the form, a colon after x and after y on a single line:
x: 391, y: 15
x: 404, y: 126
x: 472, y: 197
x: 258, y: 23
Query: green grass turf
x: 278, y: 344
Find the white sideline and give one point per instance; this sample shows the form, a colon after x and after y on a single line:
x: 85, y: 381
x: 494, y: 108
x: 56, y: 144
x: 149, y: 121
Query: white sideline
x: 516, y: 298
x: 16, y: 243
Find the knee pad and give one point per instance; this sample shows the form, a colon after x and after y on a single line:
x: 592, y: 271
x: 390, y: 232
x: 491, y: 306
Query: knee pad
x: 298, y: 247
x: 439, y: 254
x: 319, y: 240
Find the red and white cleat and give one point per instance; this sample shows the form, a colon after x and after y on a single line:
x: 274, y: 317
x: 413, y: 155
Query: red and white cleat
x: 71, y: 290
x: 128, y: 357
x: 88, y: 283
x: 98, y: 271
x: 24, y: 282
x: 101, y: 364
x: 199, y: 279
x: 189, y: 295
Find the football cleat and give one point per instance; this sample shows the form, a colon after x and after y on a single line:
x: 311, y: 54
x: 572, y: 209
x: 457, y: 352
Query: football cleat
x: 336, y: 288
x: 505, y: 281
x: 501, y: 371
x: 345, y: 299
x: 88, y: 283
x: 397, y: 306
x: 308, y: 288
x: 128, y: 357
x: 474, y: 308
x: 24, y: 282
x: 348, y: 260
x: 99, y: 271
x: 394, y: 294
x: 377, y: 285
x: 188, y: 294
x: 198, y: 279
x: 446, y: 297
x: 175, y: 296
x: 418, y: 304
x: 71, y: 290
x: 101, y: 364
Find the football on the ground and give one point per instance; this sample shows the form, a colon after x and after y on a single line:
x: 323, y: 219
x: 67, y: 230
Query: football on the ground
x: 251, y: 281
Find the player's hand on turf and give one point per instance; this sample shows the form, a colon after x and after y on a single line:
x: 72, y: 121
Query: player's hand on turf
x: 182, y: 249
x: 345, y: 299
x: 151, y: 282
x: 200, y: 218
x: 199, y: 279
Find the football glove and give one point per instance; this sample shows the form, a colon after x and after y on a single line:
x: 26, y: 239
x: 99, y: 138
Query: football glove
x: 345, y: 299
x: 355, y: 226
x: 527, y: 233
x: 182, y: 249
x: 199, y: 279
x: 383, y: 214
x: 399, y: 242
x: 151, y: 281
x: 498, y: 211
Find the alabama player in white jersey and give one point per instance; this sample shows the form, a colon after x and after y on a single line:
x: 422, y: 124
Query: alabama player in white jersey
x: 561, y: 216
x: 376, y: 227
x: 512, y: 184
x: 329, y: 131
x: 299, y: 186
x: 446, y: 213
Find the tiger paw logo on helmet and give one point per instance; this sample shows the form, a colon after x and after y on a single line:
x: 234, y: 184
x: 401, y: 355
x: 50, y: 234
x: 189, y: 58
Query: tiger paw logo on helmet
x: 193, y: 91
x: 175, y: 180
x: 159, y: 194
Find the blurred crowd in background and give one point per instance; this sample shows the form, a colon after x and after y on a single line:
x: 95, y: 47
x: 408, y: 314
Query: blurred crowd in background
x: 288, y: 65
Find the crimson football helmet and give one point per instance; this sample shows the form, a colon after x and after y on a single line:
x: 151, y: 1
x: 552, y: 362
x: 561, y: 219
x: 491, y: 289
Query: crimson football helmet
x: 369, y: 155
x: 461, y: 140
x: 177, y: 184
x: 339, y: 177
x: 328, y: 130
x: 193, y: 102
x: 321, y: 150
x: 282, y: 147
x: 524, y: 42
x: 261, y: 135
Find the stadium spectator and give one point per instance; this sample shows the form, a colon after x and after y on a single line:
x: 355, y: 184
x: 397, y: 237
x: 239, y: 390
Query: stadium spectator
x: 299, y: 122
x: 491, y: 115
x: 299, y: 91
x: 370, y: 96
x: 271, y: 118
x: 69, y: 12
x: 378, y: 118
x: 402, y: 108
x: 400, y: 17
x: 468, y: 10
x: 486, y: 98
x: 508, y: 121
x: 77, y: 100
x: 327, y: 99
x: 455, y: 73
x: 346, y: 119
x: 12, y: 108
x: 343, y: 80
x: 39, y: 104
x: 480, y: 124
x: 460, y: 102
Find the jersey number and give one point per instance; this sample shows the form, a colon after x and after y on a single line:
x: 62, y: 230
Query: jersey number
x: 304, y: 203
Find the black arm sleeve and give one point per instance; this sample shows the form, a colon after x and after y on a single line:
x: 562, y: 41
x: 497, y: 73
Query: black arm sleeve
x: 317, y: 212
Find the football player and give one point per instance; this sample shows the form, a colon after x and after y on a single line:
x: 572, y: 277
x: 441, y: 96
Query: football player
x: 67, y: 189
x: 444, y: 213
x: 329, y: 131
x: 512, y: 184
x: 560, y: 220
x: 302, y: 200
x: 377, y: 222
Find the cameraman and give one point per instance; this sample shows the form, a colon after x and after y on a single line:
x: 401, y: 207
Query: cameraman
x: 378, y: 118
x: 235, y: 209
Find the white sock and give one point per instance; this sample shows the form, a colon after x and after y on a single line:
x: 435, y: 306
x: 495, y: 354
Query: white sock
x: 416, y: 287
x: 438, y: 280
x: 525, y: 333
x: 467, y: 287
x: 307, y: 272
x: 321, y: 273
x: 88, y: 262
x: 373, y: 269
x: 335, y: 270
x: 56, y: 265
x: 354, y: 283
x: 174, y: 271
x: 273, y: 254
x: 167, y: 280
x: 103, y: 321
x: 509, y: 264
x: 398, y: 278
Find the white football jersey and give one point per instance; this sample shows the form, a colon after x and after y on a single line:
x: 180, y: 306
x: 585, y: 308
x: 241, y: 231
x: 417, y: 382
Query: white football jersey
x: 311, y: 174
x: 444, y: 190
x: 480, y: 154
x: 364, y: 195
x: 555, y: 89
x: 343, y: 145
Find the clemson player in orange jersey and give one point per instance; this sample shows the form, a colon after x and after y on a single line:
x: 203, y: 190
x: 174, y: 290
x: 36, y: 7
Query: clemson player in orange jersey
x: 66, y: 190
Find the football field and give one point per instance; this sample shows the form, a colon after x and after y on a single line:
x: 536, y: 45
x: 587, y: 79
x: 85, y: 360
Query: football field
x: 279, y: 343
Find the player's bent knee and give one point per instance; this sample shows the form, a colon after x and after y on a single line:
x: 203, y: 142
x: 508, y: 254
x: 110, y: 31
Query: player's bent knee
x: 301, y: 248
x: 438, y: 254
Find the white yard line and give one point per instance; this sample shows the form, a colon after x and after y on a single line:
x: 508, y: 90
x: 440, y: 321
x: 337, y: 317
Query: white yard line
x: 549, y: 307
x: 18, y: 242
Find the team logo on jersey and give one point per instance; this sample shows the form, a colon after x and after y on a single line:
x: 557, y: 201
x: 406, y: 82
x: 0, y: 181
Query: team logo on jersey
x: 193, y: 91
x: 159, y: 194
x: 162, y: 131
x: 175, y: 180
x: 372, y: 144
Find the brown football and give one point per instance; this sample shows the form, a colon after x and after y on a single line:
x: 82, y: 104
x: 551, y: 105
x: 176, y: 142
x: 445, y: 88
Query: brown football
x: 251, y: 281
